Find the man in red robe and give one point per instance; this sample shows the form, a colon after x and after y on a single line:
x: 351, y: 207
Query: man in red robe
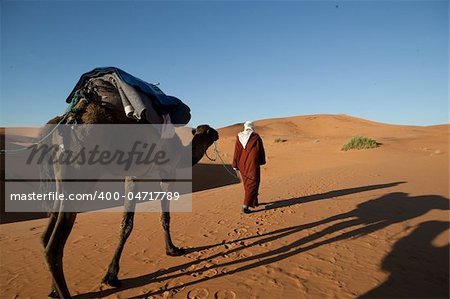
x: 249, y: 155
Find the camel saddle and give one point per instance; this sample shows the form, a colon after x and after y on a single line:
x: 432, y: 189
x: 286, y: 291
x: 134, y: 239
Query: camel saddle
x: 116, y: 89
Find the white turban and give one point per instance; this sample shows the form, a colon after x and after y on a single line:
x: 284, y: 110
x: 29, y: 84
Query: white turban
x: 248, y: 125
x: 244, y: 136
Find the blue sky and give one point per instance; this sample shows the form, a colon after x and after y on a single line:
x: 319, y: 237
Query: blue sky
x: 234, y: 60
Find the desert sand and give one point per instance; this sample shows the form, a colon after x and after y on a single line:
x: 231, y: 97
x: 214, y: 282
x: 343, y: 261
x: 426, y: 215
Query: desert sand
x: 332, y: 224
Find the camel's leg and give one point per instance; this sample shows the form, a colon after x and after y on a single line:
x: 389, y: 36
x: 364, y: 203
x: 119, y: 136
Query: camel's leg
x: 45, y: 238
x: 49, y: 230
x: 55, y: 249
x: 171, y: 249
x: 110, y: 277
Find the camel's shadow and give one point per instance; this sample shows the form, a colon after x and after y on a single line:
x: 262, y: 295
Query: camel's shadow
x: 367, y: 217
x: 210, y: 176
x: 417, y: 268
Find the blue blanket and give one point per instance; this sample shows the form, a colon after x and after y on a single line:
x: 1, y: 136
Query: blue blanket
x: 163, y: 104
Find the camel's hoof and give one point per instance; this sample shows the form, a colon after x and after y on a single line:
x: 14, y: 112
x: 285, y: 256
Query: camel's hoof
x: 113, y: 282
x: 53, y: 294
x: 176, y: 251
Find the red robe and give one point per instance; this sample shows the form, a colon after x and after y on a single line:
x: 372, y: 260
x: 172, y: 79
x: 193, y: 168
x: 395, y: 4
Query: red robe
x: 248, y: 162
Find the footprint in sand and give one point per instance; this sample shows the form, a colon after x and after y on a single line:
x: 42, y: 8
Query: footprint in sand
x: 275, y: 283
x: 175, y: 286
x: 224, y: 271
x: 164, y: 295
x: 197, y: 293
x: 269, y: 270
x: 193, y: 268
x: 225, y: 294
x: 146, y: 260
x: 244, y: 243
x: 194, y: 255
x: 202, y: 271
x: 260, y: 232
x: 229, y: 245
x: 229, y: 255
x: 240, y: 231
x: 232, y: 234
x: 262, y: 222
x: 244, y: 253
x: 101, y: 287
x: 265, y: 244
x: 209, y: 273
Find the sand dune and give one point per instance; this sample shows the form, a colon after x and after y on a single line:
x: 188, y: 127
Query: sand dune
x: 333, y: 224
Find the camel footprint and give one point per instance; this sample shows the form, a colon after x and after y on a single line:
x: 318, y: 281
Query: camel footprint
x: 240, y: 231
x: 197, y: 293
x: 174, y: 286
x: 225, y: 294
x: 229, y: 245
x: 265, y: 244
x: 202, y: 271
x: 196, y: 254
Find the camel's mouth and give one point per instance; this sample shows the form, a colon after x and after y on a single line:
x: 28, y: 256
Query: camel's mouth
x: 210, y: 132
x: 215, y: 135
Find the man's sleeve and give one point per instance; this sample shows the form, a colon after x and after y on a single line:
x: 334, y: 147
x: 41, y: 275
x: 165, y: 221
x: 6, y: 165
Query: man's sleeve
x: 262, y: 153
x: 236, y: 155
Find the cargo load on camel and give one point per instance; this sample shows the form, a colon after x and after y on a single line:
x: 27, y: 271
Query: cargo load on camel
x: 115, y: 88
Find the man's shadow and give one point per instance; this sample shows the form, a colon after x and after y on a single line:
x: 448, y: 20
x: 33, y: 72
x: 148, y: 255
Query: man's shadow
x: 366, y: 218
x: 327, y: 195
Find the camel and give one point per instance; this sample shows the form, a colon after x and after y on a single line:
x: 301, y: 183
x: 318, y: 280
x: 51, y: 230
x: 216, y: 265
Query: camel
x: 60, y: 223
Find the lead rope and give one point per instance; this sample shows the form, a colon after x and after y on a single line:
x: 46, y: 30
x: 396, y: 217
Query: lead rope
x: 216, y: 151
x: 69, y: 109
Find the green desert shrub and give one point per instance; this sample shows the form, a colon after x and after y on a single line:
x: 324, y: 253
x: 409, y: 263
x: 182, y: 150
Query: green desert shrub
x: 360, y: 142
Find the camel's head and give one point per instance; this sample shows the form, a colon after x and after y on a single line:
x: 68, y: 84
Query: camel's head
x: 206, y: 133
x: 204, y: 137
